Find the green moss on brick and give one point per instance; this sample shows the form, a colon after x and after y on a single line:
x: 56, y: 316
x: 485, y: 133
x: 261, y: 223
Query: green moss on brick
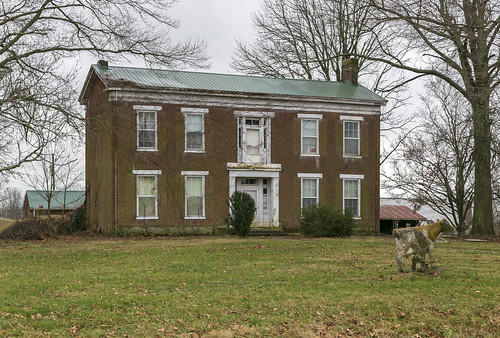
x: 157, y: 231
x: 133, y: 231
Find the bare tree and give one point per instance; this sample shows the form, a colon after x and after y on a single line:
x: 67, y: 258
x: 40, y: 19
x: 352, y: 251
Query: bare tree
x: 434, y: 165
x: 458, y: 42
x: 11, y: 203
x: 38, y: 38
x: 309, y: 39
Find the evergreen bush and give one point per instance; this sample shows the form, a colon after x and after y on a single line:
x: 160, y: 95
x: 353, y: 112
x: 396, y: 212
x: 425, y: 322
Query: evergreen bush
x: 322, y: 221
x: 242, y: 213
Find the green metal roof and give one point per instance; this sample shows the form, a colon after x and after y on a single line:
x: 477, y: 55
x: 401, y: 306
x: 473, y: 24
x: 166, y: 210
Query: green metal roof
x: 114, y: 76
x: 37, y: 199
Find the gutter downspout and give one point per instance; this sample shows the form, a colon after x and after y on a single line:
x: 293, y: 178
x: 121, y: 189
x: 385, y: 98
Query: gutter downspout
x: 115, y: 144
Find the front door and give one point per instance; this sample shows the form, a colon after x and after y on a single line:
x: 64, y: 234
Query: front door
x: 259, y: 190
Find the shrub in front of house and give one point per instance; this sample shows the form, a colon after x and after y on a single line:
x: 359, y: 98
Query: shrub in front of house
x: 323, y: 221
x: 242, y: 213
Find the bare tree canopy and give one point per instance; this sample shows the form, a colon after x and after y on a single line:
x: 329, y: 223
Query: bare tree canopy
x: 308, y: 39
x: 456, y: 41
x: 434, y: 165
x: 11, y: 203
x: 38, y: 37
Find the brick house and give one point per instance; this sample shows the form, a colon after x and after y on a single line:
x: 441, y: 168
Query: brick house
x: 165, y: 149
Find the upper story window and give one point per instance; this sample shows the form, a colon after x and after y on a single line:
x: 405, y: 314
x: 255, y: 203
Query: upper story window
x: 147, y: 127
x: 351, y: 135
x: 310, y: 134
x: 194, y: 131
x: 254, y: 137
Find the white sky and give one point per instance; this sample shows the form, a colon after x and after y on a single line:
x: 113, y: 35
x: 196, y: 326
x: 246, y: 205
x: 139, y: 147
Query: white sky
x: 219, y: 22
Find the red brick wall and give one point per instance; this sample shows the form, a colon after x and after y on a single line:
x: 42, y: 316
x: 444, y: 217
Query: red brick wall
x: 221, y: 148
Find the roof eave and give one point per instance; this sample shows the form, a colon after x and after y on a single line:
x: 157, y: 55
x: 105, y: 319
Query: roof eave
x: 87, y: 85
x: 166, y: 90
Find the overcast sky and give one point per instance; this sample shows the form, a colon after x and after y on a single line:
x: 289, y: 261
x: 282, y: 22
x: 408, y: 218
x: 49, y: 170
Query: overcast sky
x: 218, y: 22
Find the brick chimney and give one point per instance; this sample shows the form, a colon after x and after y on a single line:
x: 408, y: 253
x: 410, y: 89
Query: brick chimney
x: 350, y: 70
x: 102, y: 63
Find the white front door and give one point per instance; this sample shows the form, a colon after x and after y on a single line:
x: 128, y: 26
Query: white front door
x: 259, y: 190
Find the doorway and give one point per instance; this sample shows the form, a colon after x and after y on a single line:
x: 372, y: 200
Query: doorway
x: 260, y: 190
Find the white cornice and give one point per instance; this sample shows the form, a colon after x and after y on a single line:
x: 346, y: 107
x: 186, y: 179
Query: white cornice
x: 240, y: 101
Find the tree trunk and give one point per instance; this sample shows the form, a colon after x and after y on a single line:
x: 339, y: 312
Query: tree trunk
x: 483, y: 211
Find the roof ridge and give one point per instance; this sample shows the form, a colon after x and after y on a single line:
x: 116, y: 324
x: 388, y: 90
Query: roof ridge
x: 228, y: 74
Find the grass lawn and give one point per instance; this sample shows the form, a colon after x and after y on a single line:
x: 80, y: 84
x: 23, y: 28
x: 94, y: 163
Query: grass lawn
x: 224, y: 286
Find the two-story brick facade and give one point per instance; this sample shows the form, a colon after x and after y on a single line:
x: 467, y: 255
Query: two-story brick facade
x: 166, y: 149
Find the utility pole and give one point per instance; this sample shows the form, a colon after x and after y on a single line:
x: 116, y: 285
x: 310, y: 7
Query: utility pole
x: 52, y: 174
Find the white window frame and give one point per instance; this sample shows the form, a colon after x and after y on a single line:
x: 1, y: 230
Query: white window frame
x: 309, y: 117
x: 194, y: 111
x: 351, y: 119
x: 146, y: 173
x: 264, y: 132
x: 147, y: 109
x: 308, y: 176
x: 349, y: 177
x: 188, y: 174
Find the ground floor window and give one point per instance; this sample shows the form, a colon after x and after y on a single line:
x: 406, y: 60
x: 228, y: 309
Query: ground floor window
x: 309, y: 189
x: 194, y: 194
x: 146, y: 197
x: 352, y: 193
x: 147, y: 193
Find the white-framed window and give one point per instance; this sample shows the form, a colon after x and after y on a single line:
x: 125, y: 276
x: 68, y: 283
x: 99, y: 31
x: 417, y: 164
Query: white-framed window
x: 147, y: 127
x: 254, y: 137
x: 352, y: 193
x: 351, y: 135
x: 194, y: 188
x: 309, y: 141
x: 309, y: 192
x: 194, y: 130
x: 147, y: 193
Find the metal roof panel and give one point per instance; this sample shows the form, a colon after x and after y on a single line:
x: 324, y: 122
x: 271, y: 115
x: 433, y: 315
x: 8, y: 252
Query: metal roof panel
x: 399, y: 212
x: 170, y: 79
x: 37, y: 199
